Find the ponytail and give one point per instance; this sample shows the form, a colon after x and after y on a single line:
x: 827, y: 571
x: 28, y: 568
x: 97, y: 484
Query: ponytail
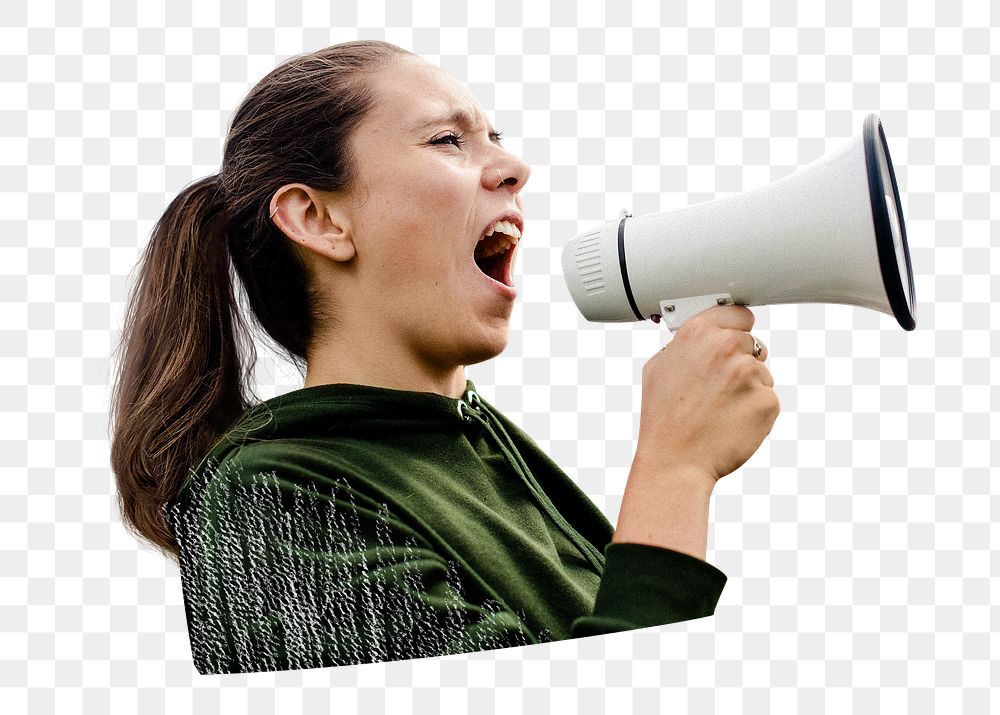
x: 179, y: 386
x: 184, y: 380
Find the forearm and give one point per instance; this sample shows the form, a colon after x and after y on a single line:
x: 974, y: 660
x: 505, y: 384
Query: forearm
x: 665, y: 505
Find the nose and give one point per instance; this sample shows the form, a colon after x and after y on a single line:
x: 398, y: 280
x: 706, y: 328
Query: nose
x: 509, y: 170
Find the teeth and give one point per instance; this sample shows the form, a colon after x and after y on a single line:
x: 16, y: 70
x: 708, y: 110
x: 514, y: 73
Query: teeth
x: 497, y: 246
x: 503, y: 236
x: 505, y: 227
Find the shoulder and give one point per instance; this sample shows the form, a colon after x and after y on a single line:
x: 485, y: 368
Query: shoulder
x: 276, y: 475
x: 266, y: 490
x: 264, y: 499
x: 299, y: 462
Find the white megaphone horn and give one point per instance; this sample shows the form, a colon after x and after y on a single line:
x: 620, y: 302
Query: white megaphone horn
x: 832, y: 232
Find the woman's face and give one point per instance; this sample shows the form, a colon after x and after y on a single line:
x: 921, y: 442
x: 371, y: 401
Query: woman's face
x: 429, y: 184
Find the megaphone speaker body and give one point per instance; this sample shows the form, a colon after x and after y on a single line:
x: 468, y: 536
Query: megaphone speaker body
x: 831, y: 232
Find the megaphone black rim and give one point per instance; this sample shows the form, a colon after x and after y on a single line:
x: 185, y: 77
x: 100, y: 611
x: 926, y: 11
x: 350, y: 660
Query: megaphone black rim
x: 892, y: 277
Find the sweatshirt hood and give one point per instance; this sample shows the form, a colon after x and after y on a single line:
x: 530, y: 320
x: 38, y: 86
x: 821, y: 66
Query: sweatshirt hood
x: 349, y: 409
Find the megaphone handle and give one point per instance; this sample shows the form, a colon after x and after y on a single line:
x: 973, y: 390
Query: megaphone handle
x: 675, y: 311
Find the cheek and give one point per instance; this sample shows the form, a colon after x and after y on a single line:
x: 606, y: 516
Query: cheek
x: 446, y: 179
x: 434, y: 220
x: 413, y: 203
x: 419, y: 219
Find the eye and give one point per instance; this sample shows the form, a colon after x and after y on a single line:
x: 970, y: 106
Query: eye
x: 456, y: 139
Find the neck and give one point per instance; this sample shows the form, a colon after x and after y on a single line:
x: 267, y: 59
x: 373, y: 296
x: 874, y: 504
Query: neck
x: 390, y: 366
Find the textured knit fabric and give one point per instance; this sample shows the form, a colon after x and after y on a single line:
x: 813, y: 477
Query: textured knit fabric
x: 343, y: 524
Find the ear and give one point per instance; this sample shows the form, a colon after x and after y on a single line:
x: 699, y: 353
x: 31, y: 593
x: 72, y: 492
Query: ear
x: 314, y: 220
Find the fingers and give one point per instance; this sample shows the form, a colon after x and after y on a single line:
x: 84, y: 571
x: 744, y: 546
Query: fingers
x: 737, y: 317
x: 765, y: 376
x: 737, y: 320
x: 740, y: 318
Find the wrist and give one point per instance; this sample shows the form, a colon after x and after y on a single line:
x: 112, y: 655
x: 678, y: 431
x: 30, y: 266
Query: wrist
x: 666, y: 504
x: 663, y: 467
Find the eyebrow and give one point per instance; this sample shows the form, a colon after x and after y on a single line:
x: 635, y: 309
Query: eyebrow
x: 458, y: 116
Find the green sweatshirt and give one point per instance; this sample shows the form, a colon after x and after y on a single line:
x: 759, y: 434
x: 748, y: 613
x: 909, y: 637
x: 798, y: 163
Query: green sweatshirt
x: 343, y: 524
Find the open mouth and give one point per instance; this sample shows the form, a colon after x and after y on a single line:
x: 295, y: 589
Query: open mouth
x: 495, y: 252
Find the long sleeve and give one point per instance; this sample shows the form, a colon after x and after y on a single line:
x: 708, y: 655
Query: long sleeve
x: 645, y: 586
x: 286, y: 571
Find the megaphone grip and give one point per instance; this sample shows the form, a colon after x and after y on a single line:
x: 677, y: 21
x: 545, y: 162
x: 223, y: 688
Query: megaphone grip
x: 677, y: 310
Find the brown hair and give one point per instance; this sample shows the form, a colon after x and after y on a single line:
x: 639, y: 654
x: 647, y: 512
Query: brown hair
x: 187, y: 368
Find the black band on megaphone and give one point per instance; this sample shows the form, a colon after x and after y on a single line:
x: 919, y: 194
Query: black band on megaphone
x: 892, y: 277
x: 621, y: 263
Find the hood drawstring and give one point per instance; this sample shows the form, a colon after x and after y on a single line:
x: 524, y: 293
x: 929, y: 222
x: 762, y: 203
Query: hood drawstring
x: 472, y: 409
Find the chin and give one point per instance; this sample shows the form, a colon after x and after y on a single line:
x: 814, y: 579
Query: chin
x: 487, y: 349
x: 475, y: 357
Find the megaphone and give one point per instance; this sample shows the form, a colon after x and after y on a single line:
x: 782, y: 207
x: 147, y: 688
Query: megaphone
x: 832, y: 232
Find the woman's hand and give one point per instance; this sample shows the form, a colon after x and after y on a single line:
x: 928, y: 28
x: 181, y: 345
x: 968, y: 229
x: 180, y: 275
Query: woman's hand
x: 707, y: 402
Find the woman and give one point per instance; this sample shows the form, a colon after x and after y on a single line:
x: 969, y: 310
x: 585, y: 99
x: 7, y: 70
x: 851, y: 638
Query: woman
x: 385, y: 510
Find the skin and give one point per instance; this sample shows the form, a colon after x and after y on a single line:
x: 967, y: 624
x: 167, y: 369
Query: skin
x: 394, y: 253
x: 394, y: 258
x: 707, y: 404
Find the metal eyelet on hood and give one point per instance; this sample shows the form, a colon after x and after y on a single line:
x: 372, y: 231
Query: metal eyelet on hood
x: 470, y: 404
x: 467, y: 410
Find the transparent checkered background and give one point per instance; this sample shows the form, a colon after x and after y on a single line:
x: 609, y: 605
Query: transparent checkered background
x: 859, y: 540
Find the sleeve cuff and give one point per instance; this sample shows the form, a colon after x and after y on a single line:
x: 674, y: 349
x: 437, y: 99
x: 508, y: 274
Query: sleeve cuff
x: 647, y: 586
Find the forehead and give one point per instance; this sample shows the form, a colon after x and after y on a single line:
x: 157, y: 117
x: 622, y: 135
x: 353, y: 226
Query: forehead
x: 415, y: 94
